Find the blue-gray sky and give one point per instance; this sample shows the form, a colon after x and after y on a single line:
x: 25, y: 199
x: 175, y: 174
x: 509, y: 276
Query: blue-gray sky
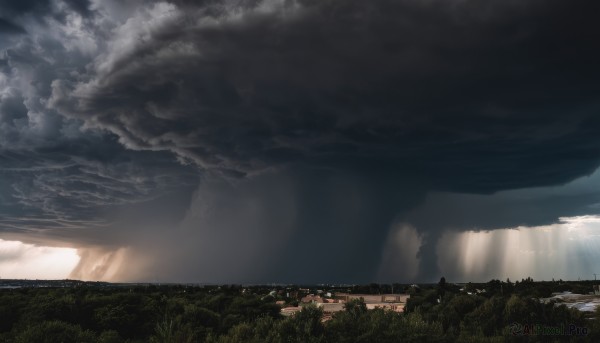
x: 289, y: 140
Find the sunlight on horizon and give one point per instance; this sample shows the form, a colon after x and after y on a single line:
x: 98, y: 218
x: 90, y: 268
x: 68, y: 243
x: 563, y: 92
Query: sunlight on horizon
x: 19, y: 260
x: 566, y: 250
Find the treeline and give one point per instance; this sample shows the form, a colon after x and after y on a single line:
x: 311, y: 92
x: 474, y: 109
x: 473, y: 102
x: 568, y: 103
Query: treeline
x: 504, y: 311
x: 356, y: 324
x: 442, y: 312
x: 118, y: 314
x: 491, y: 312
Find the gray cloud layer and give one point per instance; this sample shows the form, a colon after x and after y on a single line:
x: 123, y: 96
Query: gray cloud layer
x: 476, y: 97
x: 59, y: 180
x: 386, y: 100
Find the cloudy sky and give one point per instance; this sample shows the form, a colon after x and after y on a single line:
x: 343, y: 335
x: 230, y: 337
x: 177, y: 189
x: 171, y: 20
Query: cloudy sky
x: 299, y: 140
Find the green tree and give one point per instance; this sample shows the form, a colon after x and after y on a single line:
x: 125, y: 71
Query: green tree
x: 54, y: 331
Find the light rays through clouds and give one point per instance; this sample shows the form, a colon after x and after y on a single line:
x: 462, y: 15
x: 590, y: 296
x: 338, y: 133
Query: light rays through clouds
x: 299, y: 141
x: 510, y: 234
x: 569, y: 250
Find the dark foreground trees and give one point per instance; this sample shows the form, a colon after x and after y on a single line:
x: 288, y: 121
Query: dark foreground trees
x: 123, y: 314
x: 439, y: 313
x: 355, y: 325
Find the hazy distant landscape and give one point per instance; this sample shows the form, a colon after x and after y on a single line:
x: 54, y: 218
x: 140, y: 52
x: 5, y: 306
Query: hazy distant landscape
x: 496, y: 311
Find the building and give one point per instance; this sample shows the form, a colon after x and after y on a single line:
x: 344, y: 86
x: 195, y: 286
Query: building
x: 331, y: 307
x: 289, y: 311
x: 392, y: 302
x: 311, y: 299
x: 374, y: 298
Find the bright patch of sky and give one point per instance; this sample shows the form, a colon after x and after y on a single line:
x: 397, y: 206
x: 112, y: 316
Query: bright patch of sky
x: 27, y: 261
x: 568, y: 250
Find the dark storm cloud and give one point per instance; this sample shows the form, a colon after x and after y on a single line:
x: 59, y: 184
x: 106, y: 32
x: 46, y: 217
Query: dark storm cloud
x: 20, y: 7
x: 80, y: 6
x: 8, y: 27
x: 40, y: 7
x: 459, y: 96
x: 357, y: 109
x: 59, y: 181
x: 476, y: 97
x: 81, y: 187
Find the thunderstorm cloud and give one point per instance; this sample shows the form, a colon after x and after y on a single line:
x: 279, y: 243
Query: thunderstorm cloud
x: 291, y: 140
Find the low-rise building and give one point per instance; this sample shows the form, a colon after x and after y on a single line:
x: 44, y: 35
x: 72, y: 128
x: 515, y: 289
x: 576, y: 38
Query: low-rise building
x: 331, y: 307
x: 374, y: 298
x: 392, y: 302
x: 311, y: 299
